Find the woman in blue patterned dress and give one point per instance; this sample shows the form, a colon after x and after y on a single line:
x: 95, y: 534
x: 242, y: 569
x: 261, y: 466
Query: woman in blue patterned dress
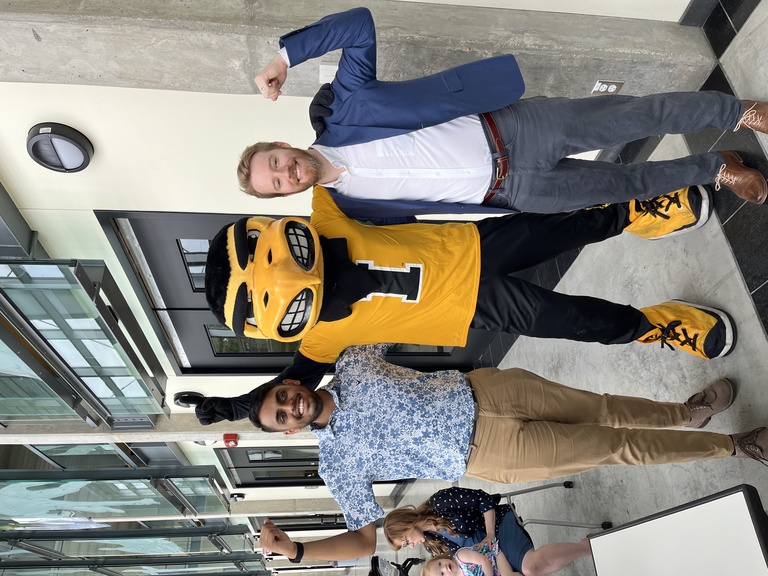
x: 457, y: 518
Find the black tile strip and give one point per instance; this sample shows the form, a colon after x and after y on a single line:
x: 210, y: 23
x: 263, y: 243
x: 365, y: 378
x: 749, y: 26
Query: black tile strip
x: 564, y: 261
x: 719, y: 30
x: 548, y: 275
x: 761, y: 303
x: 697, y: 12
x: 717, y: 80
x: 703, y: 141
x: 638, y: 151
x: 746, y: 233
x: 739, y: 11
x: 630, y: 151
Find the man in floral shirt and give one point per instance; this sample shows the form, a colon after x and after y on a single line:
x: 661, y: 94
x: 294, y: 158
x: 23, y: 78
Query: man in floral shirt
x: 376, y: 422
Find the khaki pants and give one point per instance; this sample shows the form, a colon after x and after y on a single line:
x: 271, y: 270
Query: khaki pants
x: 529, y: 428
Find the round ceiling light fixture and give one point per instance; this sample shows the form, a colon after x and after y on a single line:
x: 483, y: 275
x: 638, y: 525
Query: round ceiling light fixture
x: 59, y: 147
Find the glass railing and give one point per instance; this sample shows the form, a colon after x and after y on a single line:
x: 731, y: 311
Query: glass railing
x: 24, y: 395
x: 82, y: 456
x: 56, y: 306
x: 101, y: 521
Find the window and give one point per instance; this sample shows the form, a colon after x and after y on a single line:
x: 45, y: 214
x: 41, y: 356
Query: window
x: 194, y: 253
x: 226, y: 343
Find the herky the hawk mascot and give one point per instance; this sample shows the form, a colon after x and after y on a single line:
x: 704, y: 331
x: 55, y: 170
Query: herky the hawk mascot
x: 336, y: 282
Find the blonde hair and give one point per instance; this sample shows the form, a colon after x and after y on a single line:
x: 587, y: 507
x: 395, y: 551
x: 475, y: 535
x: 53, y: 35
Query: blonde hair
x: 244, y: 167
x: 402, y: 520
x: 432, y: 561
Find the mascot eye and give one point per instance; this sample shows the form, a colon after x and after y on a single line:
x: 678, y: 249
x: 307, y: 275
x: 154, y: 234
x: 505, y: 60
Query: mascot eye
x: 249, y: 311
x: 301, y: 244
x: 269, y: 257
x: 253, y: 236
x: 266, y: 299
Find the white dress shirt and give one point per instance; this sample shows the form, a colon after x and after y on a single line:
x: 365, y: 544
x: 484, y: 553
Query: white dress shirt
x: 450, y: 162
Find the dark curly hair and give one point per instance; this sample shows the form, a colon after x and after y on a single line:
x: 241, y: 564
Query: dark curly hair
x: 257, y: 398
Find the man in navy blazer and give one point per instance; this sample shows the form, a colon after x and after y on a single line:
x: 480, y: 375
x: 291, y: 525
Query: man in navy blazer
x: 464, y: 138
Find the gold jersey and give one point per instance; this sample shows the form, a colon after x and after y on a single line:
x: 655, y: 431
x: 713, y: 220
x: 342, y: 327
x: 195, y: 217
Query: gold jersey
x: 430, y: 274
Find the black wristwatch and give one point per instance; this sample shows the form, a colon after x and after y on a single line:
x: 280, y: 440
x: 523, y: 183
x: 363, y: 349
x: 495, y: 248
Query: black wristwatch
x: 299, y: 553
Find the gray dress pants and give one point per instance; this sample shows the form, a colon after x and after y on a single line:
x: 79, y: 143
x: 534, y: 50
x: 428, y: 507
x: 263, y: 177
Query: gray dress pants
x: 540, y: 132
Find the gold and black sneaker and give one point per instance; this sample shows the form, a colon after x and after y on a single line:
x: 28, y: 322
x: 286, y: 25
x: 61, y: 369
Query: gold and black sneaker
x: 699, y: 330
x: 680, y: 211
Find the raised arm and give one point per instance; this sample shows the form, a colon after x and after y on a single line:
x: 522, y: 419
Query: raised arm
x: 352, y: 31
x: 271, y: 79
x: 344, y: 546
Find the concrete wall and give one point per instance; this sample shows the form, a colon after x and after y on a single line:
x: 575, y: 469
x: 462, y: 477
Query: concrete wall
x: 218, y: 47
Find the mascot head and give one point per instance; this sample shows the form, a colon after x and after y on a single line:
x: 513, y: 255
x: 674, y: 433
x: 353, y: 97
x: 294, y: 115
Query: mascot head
x: 264, y: 277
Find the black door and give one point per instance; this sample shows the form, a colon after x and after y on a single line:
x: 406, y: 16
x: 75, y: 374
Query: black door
x: 166, y: 253
x: 275, y: 466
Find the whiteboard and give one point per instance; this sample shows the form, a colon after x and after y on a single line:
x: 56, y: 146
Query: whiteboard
x: 713, y: 538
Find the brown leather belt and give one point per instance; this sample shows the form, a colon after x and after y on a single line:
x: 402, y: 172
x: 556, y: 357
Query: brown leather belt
x: 471, y: 442
x: 499, y: 152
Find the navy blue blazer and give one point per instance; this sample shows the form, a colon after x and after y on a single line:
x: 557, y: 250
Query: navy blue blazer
x: 366, y: 109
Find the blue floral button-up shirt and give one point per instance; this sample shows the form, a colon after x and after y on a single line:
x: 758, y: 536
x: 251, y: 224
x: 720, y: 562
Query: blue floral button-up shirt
x: 390, y: 423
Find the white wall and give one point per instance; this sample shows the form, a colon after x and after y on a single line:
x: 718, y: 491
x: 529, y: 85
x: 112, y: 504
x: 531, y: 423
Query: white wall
x: 664, y: 10
x: 154, y: 151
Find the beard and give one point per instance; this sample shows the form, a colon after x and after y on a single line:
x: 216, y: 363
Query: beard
x: 310, y: 167
x: 314, y: 405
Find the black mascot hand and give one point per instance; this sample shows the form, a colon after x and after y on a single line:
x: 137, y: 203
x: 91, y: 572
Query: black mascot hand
x: 216, y: 409
x: 319, y: 108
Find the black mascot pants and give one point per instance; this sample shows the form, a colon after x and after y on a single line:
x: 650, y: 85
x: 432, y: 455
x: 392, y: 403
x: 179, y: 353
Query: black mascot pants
x: 507, y: 304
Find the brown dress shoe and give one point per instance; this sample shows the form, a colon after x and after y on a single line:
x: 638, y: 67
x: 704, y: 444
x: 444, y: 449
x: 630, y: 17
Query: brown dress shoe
x: 752, y: 445
x: 755, y: 116
x: 715, y: 398
x: 747, y: 183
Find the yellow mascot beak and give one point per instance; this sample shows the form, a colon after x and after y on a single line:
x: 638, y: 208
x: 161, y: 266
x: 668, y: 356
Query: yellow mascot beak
x: 275, y: 289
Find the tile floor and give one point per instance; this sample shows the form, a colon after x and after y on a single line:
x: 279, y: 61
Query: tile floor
x: 735, y: 32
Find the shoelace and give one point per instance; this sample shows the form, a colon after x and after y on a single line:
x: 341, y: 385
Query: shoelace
x: 723, y: 177
x: 668, y: 332
x: 697, y: 402
x: 750, y: 115
x: 748, y: 445
x: 658, y: 207
x: 695, y: 405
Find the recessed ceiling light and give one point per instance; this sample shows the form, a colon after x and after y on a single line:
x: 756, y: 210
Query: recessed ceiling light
x: 59, y: 147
